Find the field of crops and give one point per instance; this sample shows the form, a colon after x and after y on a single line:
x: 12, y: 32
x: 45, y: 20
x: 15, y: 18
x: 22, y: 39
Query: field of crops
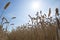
x: 42, y: 27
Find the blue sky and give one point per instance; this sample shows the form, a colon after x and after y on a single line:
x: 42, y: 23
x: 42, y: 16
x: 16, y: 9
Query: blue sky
x: 21, y: 8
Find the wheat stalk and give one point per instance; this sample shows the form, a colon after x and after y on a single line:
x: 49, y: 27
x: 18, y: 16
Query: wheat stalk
x: 49, y: 12
x: 57, y: 11
x: 6, y: 5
